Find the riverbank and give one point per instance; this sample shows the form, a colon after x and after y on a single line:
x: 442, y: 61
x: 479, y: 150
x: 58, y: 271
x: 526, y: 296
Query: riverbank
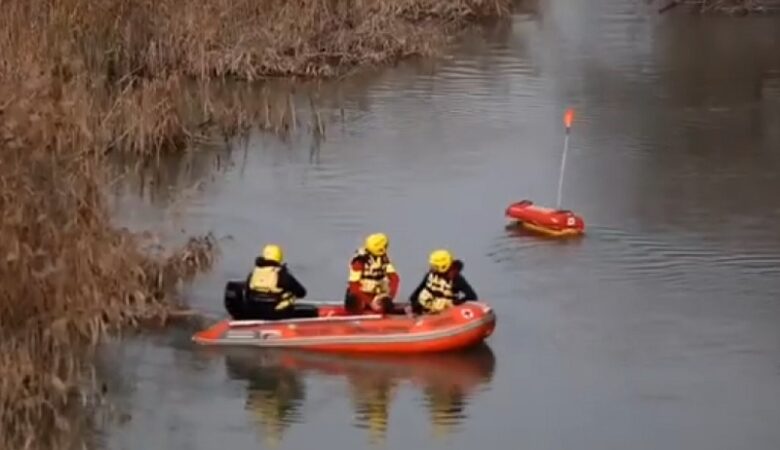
x: 723, y: 7
x: 81, y: 80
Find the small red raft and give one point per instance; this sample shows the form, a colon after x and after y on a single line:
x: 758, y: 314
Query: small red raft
x: 459, y: 327
x: 548, y: 221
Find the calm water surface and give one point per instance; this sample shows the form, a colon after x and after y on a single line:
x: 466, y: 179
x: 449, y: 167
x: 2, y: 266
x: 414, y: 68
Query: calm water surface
x: 658, y: 330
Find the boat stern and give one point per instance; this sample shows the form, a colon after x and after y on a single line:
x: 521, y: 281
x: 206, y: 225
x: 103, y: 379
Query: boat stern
x: 212, y: 334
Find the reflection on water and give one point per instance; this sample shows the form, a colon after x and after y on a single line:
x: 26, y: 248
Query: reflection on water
x: 446, y: 409
x: 371, y: 398
x: 275, y: 386
x: 276, y: 394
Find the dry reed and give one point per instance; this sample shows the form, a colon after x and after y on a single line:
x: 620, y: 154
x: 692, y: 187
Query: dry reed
x: 68, y: 275
x: 248, y: 39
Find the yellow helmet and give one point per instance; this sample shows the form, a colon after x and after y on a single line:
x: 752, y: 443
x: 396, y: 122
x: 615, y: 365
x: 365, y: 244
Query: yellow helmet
x: 440, y: 260
x: 376, y: 244
x: 273, y: 253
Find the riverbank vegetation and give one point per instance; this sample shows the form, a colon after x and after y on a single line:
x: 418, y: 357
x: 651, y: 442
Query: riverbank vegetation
x: 728, y: 7
x: 82, y: 80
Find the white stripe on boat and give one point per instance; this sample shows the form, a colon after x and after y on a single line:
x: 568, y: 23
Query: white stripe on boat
x: 244, y: 323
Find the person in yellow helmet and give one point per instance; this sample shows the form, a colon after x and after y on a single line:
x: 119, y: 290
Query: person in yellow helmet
x: 373, y: 281
x: 442, y: 286
x: 271, y: 289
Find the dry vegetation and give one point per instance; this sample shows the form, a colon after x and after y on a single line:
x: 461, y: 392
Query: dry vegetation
x: 249, y: 39
x: 68, y: 275
x: 81, y: 80
x: 728, y: 7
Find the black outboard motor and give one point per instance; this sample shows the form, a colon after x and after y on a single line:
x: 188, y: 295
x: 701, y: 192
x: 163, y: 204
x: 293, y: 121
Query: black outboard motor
x: 235, y: 299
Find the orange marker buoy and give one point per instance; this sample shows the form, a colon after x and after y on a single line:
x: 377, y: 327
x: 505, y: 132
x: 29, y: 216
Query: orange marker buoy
x: 551, y: 222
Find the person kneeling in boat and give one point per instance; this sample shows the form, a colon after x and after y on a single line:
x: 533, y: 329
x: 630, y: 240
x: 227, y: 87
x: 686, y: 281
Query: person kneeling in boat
x: 271, y: 288
x: 442, y: 287
x: 373, y: 281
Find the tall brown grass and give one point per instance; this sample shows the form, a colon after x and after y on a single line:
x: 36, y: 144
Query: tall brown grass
x: 81, y: 80
x: 68, y: 275
x: 249, y: 39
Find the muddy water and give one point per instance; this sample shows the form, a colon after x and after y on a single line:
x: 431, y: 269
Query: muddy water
x: 659, y: 329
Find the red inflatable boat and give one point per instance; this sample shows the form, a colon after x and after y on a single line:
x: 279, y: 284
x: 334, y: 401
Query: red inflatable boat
x: 457, y: 328
x: 552, y: 222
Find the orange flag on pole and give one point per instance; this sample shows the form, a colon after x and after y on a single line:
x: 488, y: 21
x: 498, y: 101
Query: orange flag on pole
x: 568, y: 117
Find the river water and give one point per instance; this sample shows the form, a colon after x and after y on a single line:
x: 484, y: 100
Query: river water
x: 659, y: 329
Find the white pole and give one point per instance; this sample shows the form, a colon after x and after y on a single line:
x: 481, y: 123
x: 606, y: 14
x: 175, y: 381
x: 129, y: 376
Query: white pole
x: 563, y: 167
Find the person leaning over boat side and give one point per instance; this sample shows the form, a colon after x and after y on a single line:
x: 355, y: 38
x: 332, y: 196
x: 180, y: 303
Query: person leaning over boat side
x: 373, y: 281
x: 271, y: 288
x: 442, y: 286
